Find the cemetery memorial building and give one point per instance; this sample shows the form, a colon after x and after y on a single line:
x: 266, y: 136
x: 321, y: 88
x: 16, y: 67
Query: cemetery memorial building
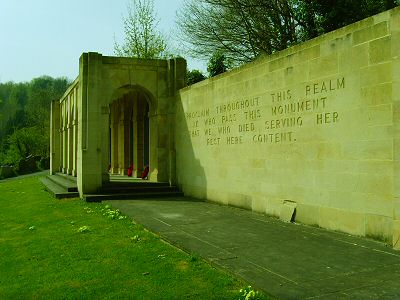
x: 311, y: 133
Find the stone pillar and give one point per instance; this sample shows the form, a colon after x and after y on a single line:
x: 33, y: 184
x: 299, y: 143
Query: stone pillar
x: 65, y: 138
x: 138, y: 136
x: 123, y: 137
x: 70, y: 134
x: 93, y: 125
x: 74, y: 158
x: 121, y: 140
x: 395, y: 41
x: 153, y: 140
x: 114, y: 137
x: 70, y: 148
x: 61, y: 139
x: 165, y: 116
x: 55, y: 140
x: 75, y: 134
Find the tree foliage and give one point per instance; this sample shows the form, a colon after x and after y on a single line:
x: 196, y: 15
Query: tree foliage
x: 25, y: 117
x: 217, y: 64
x: 322, y: 16
x: 142, y: 38
x: 245, y: 29
x: 194, y: 76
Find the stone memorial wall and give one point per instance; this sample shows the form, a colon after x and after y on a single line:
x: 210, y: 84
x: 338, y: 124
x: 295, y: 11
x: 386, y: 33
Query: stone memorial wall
x: 315, y: 127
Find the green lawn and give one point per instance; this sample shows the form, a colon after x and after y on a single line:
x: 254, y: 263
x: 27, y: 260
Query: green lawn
x: 44, y: 254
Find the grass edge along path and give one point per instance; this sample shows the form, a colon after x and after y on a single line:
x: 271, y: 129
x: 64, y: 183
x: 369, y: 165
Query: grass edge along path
x: 71, y: 249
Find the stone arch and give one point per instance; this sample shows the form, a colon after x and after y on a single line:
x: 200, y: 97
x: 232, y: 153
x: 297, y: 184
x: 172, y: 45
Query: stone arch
x: 131, y: 109
x: 124, y: 89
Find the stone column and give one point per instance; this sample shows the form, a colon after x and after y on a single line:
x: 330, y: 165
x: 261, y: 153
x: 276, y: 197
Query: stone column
x: 138, y: 136
x: 70, y: 134
x: 93, y: 125
x: 153, y: 140
x: 61, y: 151
x: 75, y: 133
x: 114, y: 137
x: 55, y: 139
x: 164, y: 119
x: 123, y: 138
x: 65, y: 138
x: 61, y: 138
x: 395, y: 41
x: 75, y: 138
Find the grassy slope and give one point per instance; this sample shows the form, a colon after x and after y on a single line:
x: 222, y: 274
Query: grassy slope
x: 54, y: 260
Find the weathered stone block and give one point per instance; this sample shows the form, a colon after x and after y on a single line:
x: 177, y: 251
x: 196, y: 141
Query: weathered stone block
x: 273, y: 206
x: 370, y: 33
x: 396, y: 234
x: 307, y: 214
x: 379, y: 228
x: 395, y: 37
x: 380, y: 50
x: 287, y: 212
x: 336, y: 45
x: 381, y: 17
x: 395, y: 19
x: 240, y: 200
x: 380, y: 115
x: 396, y: 210
x: 351, y: 222
x: 353, y: 58
x: 324, y: 66
x: 377, y: 94
x: 396, y: 74
x: 328, y: 218
x: 259, y: 204
x: 375, y: 74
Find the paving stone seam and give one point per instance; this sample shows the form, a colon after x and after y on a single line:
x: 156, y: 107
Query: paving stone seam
x: 165, y: 223
x: 341, y: 291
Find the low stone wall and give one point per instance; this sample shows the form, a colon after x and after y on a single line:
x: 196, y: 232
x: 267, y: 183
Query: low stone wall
x: 316, y: 125
x: 7, y: 172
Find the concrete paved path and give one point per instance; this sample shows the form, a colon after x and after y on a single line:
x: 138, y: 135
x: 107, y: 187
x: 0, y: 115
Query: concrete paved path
x: 289, y: 261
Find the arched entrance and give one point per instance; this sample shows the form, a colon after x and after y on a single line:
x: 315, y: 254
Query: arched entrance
x: 124, y: 113
x: 129, y: 133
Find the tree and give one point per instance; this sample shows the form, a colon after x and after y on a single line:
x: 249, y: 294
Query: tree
x: 245, y: 29
x: 241, y: 29
x: 42, y: 91
x: 24, y: 142
x: 142, y: 39
x: 217, y: 64
x: 12, y: 109
x: 333, y: 14
x: 24, y: 117
x: 194, y: 76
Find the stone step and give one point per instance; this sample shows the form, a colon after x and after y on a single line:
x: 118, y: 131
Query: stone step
x: 136, y: 183
x: 68, y: 177
x: 133, y: 196
x: 67, y: 184
x: 56, y: 190
x: 127, y: 189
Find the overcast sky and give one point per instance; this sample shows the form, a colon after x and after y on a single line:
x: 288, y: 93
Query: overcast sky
x: 47, y: 37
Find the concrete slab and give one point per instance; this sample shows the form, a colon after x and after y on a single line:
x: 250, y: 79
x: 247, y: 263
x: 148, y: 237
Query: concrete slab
x: 36, y: 174
x: 289, y: 261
